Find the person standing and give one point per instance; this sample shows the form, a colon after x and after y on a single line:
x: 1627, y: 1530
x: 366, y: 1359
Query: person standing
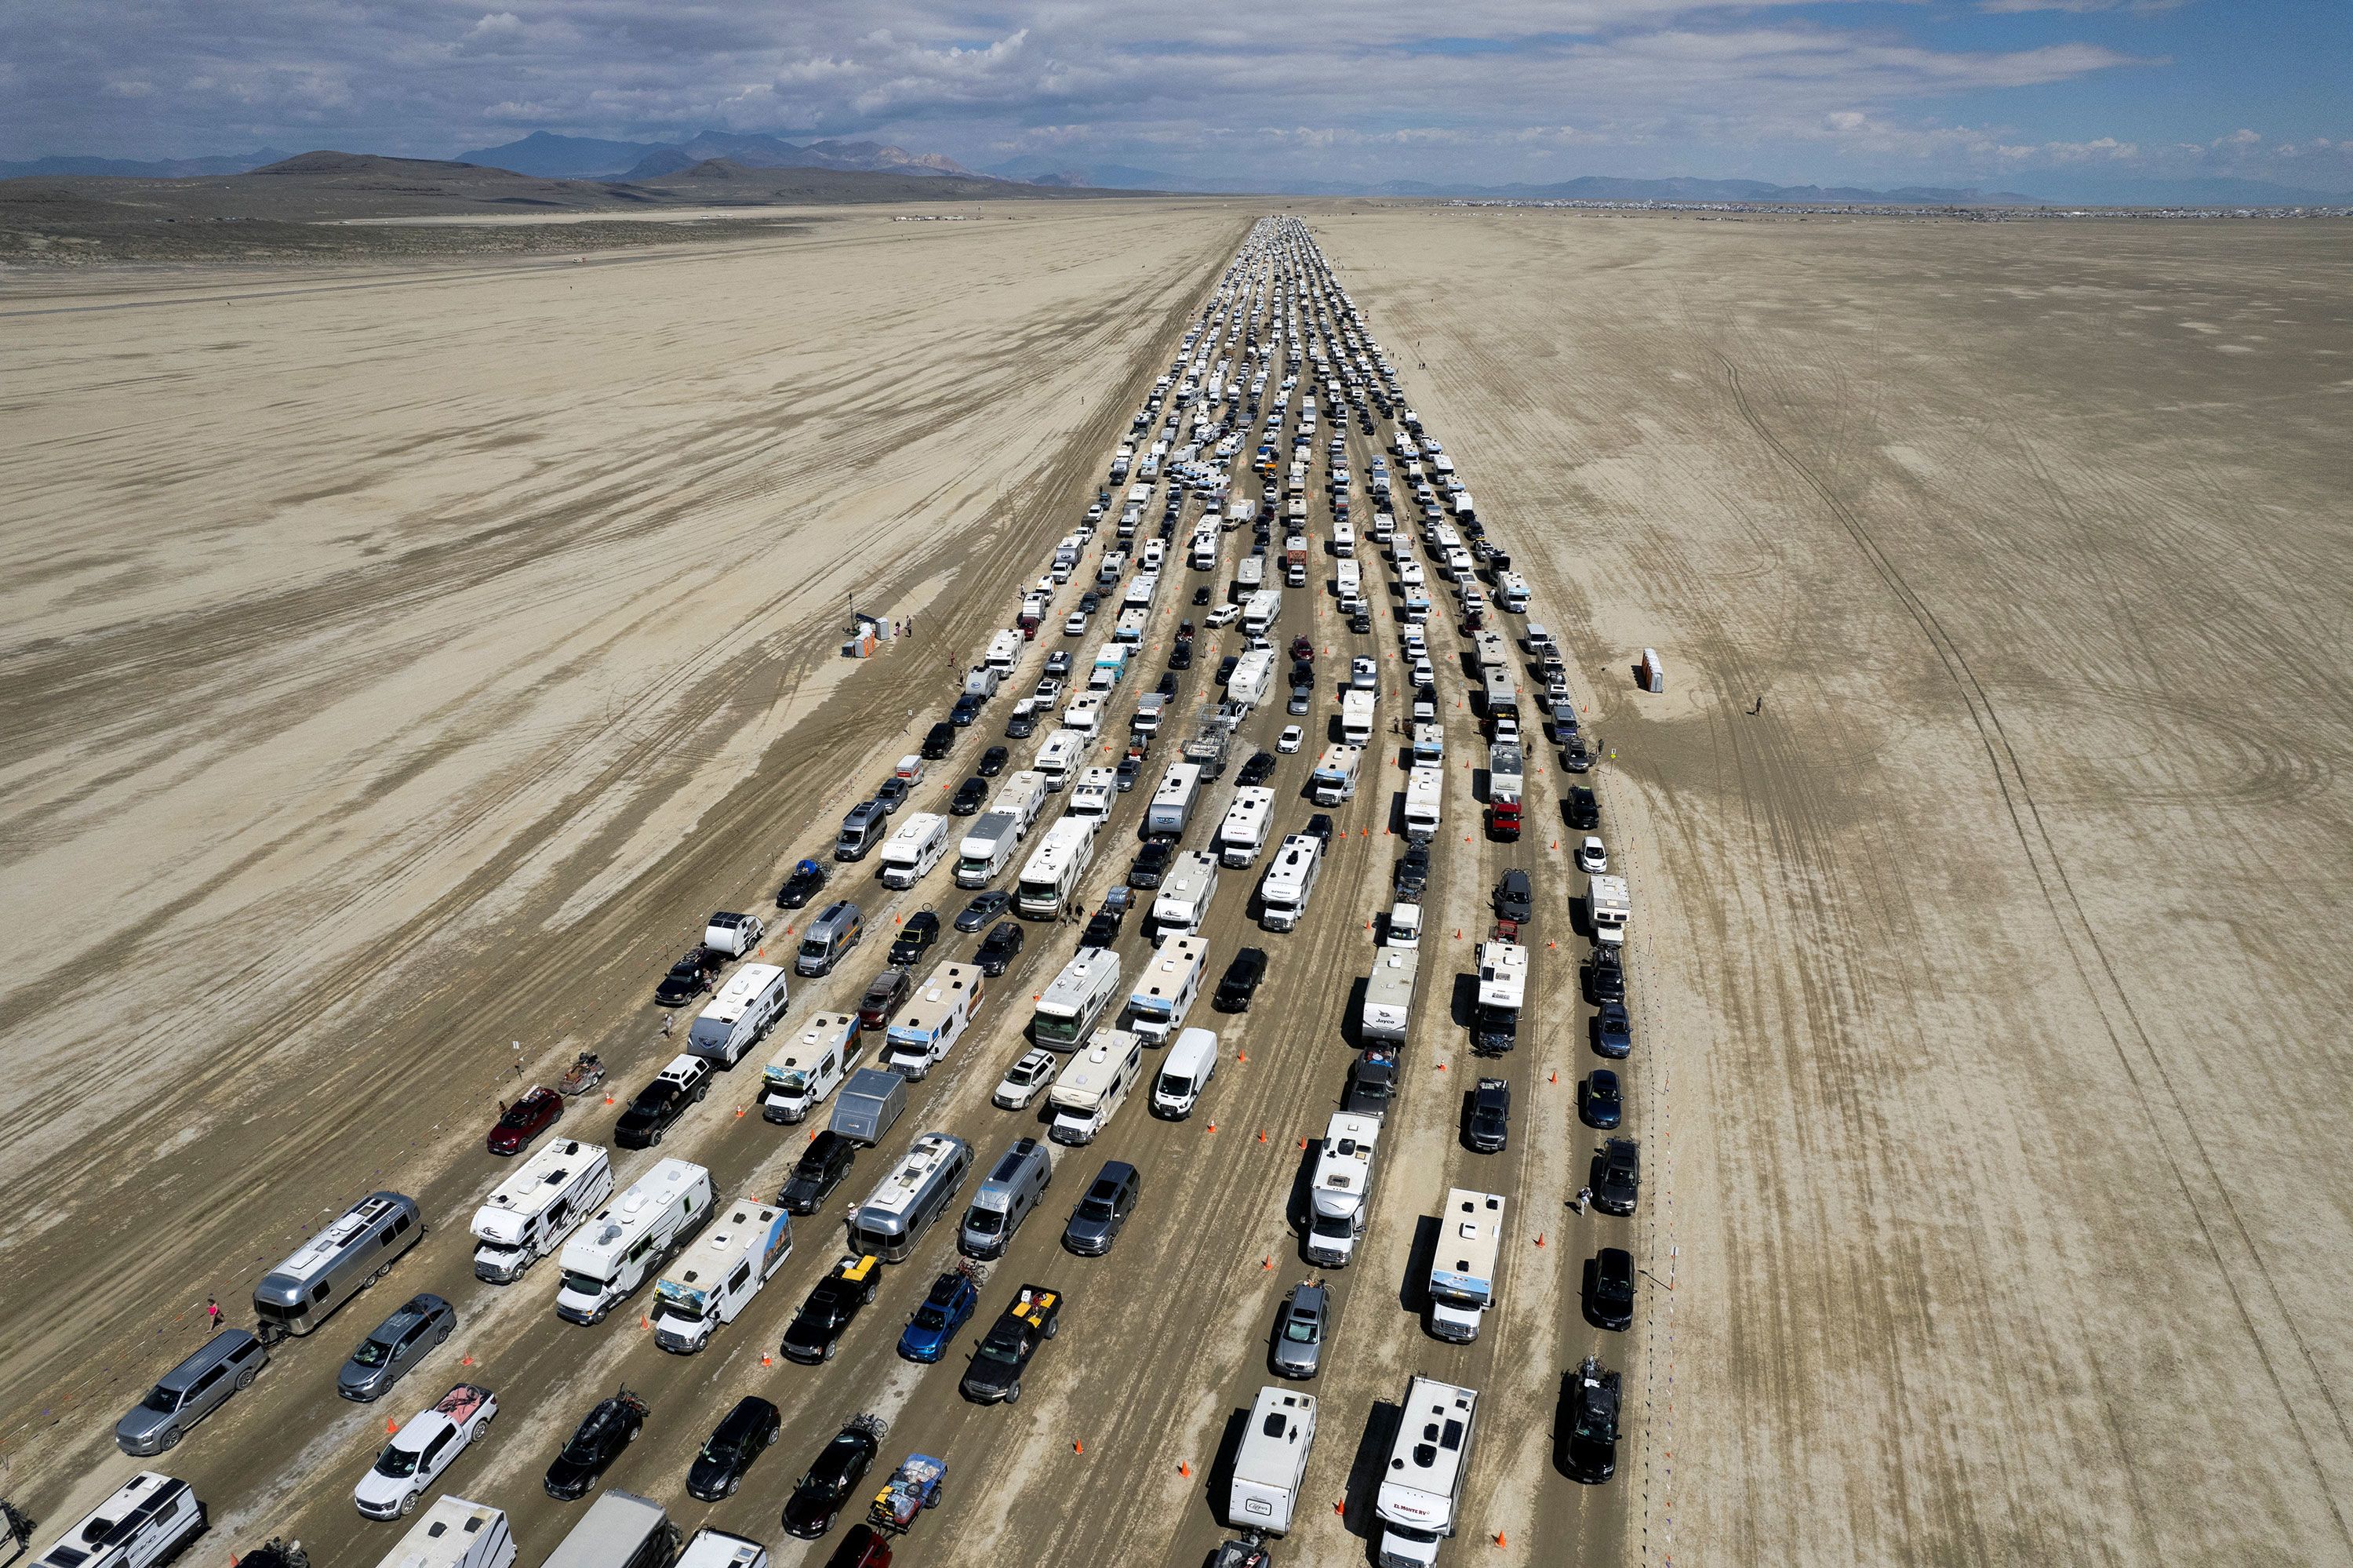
x: 212, y: 1314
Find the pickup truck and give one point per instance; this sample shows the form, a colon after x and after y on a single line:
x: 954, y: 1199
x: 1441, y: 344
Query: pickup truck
x: 995, y: 1373
x: 686, y: 1080
x: 429, y: 1444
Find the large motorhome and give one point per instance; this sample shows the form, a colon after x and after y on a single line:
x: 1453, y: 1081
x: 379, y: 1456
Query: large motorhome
x: 752, y: 1000
x: 716, y: 1278
x: 1424, y: 801
x: 920, y: 1037
x: 809, y: 1066
x: 1243, y: 832
x: 1182, y: 902
x: 1075, y: 1001
x: 1095, y: 1086
x: 1336, y: 775
x: 915, y: 1193
x: 914, y: 849
x: 630, y: 1239
x: 1058, y: 757
x: 1356, y: 706
x: 333, y: 1266
x: 1503, y: 990
x: 1165, y: 990
x: 1289, y: 878
x: 1340, y: 1196
x: 1463, y: 1265
x: 1422, y: 1485
x: 1050, y: 879
x: 532, y: 1211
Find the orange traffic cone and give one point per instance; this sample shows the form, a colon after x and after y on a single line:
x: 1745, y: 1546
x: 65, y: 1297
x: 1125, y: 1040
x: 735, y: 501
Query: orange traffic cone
x: 1540, y: 1238
x: 1262, y: 1135
x: 1442, y: 1066
x: 1499, y: 1538
x: 1266, y: 1263
x: 1240, y: 1057
x: 1213, y: 1127
x: 1183, y: 1468
x: 1077, y: 1446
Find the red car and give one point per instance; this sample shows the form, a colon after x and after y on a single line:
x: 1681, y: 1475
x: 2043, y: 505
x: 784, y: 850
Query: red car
x: 1303, y: 650
x: 861, y: 1548
x: 526, y: 1119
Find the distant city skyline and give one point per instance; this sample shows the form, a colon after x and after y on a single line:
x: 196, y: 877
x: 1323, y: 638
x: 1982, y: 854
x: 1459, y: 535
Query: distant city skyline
x: 2041, y: 96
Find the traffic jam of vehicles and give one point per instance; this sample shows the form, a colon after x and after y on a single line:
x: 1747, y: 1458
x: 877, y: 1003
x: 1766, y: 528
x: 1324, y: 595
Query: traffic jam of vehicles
x: 1051, y: 924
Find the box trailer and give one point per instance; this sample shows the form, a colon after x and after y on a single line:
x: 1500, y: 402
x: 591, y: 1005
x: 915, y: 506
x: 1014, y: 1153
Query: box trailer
x: 1387, y: 1014
x: 1271, y: 1464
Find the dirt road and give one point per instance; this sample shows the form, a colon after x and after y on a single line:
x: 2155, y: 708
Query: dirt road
x: 1986, y: 976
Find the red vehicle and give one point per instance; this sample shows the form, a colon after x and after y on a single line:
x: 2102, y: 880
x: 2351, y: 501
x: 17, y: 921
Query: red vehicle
x: 861, y: 1548
x: 1303, y: 650
x: 1504, y: 820
x: 526, y: 1119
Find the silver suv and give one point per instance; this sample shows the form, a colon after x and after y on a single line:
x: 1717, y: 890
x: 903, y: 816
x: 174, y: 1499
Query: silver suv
x: 394, y: 1346
x: 1299, y: 1331
x: 190, y: 1391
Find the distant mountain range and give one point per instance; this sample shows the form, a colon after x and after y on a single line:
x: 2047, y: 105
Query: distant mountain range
x: 551, y: 156
x: 135, y: 168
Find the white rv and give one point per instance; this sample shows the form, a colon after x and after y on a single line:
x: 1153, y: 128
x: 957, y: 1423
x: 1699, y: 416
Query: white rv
x: 1388, y: 995
x: 1336, y: 775
x: 147, y: 1520
x: 1339, y: 1200
x: 716, y: 1278
x: 914, y: 849
x: 910, y: 1197
x: 1058, y: 757
x: 1610, y: 904
x: 1050, y: 879
x: 752, y: 1000
x: 1095, y: 1086
x: 1271, y: 1464
x: 1004, y: 653
x: 1182, y: 902
x: 615, y: 1252
x: 1512, y: 594
x: 1357, y: 705
x: 1170, y: 809
x: 810, y: 1067
x: 1430, y: 741
x: 1074, y: 1000
x: 1083, y: 714
x: 1260, y: 611
x: 1422, y: 1484
x: 933, y: 1020
x: 1094, y: 794
x: 1282, y: 893
x: 1135, y: 621
x: 1424, y: 801
x: 1502, y: 991
x: 1462, y: 1266
x: 1164, y: 992
x: 536, y: 1207
x: 455, y: 1532
x: 1243, y: 832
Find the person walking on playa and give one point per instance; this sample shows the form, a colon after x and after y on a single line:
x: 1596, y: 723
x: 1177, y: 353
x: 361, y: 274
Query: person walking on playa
x: 212, y: 1313
x: 1583, y: 1196
x: 670, y: 1021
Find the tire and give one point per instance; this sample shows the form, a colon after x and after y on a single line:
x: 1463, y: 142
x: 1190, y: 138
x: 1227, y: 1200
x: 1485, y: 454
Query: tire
x: 655, y: 1139
x: 633, y: 1433
x: 831, y: 1348
x: 731, y: 1485
x: 245, y: 1378
x: 1013, y: 1394
x: 408, y: 1504
x: 172, y: 1438
x: 1054, y: 1327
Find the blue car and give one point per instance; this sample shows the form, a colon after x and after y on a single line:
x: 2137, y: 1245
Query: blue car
x: 933, y: 1327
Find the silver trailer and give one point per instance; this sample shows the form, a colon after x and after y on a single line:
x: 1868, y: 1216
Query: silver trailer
x: 354, y: 1252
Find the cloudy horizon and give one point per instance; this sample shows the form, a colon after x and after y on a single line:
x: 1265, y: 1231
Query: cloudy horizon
x: 1984, y: 93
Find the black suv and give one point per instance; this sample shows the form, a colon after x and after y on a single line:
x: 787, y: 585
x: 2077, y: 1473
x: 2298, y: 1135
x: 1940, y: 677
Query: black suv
x: 1488, y: 1127
x: 1617, y: 1176
x: 595, y: 1443
x: 1151, y: 862
x: 1000, y: 948
x: 1258, y: 770
x: 1241, y: 981
x: 939, y: 740
x: 833, y: 1478
x: 1605, y: 976
x: 1412, y: 874
x: 740, y: 1437
x: 819, y: 1170
x: 1584, y: 808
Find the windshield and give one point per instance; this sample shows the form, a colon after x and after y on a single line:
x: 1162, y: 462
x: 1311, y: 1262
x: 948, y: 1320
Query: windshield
x: 396, y: 1461
x: 1340, y: 1229
x: 583, y: 1284
x: 1299, y: 1330
x: 929, y: 1316
x: 161, y: 1400
x: 1095, y: 1209
x: 1050, y: 1028
x: 994, y: 1350
x: 370, y: 1354
x: 984, y: 1222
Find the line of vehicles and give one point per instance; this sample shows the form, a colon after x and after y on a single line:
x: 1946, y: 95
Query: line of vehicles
x: 705, y: 1256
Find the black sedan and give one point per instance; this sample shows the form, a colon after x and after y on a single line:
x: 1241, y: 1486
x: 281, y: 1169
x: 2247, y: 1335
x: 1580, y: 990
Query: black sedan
x: 1240, y: 981
x: 595, y: 1443
x: 1610, y: 1288
x: 970, y: 797
x: 983, y: 907
x: 1180, y: 656
x: 1258, y: 770
x: 993, y: 762
x: 1584, y: 808
x: 1515, y: 898
x: 688, y: 978
x: 833, y: 1480
x: 1617, y: 1176
x: 1598, y: 1101
x: 1613, y: 1031
x: 999, y: 949
x: 743, y: 1436
x: 808, y: 880
x: 815, y: 1333
x: 1319, y: 827
x: 915, y: 938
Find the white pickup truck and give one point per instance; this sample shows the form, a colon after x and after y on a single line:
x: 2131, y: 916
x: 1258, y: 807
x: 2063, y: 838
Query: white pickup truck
x: 418, y: 1454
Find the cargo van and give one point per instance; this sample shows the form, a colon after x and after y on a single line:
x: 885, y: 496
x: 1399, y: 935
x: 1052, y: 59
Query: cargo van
x: 914, y: 849
x: 836, y: 931
x: 455, y: 1532
x: 913, y: 1194
x: 532, y: 1211
x: 810, y: 1066
x: 620, y: 1529
x: 717, y: 1277
x: 1008, y: 1196
x: 920, y: 1037
x: 870, y: 1103
x: 351, y: 1254
x: 1095, y: 1086
x: 1185, y: 1072
x: 752, y: 1000
x: 147, y: 1520
x: 1271, y: 1464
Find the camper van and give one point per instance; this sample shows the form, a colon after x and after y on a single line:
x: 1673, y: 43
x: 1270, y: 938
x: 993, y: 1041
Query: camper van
x: 1463, y: 1265
x: 628, y: 1240
x: 146, y: 1521
x: 1058, y: 757
x: 1422, y: 1484
x: 1185, y: 1072
x: 1051, y: 877
x: 1095, y: 1086
x: 836, y: 931
x: 1006, y: 1197
x: 1170, y: 811
x: 1424, y: 801
x: 455, y: 1532
x: 1271, y: 1464
x: 1282, y: 893
x: 1243, y: 832
x: 914, y: 1193
x: 914, y: 849
x: 810, y: 1066
x: 933, y: 1020
x: 537, y: 1206
x: 1165, y: 990
x: 351, y: 1254
x: 1388, y: 995
x: 752, y: 1000
x: 1340, y: 1198
x: 863, y: 828
x: 1074, y: 1000
x: 1336, y: 775
x: 716, y: 1278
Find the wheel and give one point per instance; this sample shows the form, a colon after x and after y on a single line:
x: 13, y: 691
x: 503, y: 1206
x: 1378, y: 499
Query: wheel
x: 1013, y: 1394
x: 633, y: 1433
x: 1054, y: 1327
x: 831, y: 1348
x: 731, y: 1485
x: 408, y: 1504
x: 655, y: 1138
x: 172, y: 1438
x: 245, y: 1378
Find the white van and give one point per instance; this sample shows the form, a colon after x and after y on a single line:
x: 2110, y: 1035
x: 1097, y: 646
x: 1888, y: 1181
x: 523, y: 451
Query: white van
x: 914, y: 849
x: 1185, y: 1072
x: 716, y: 1278
x: 1271, y: 1466
x: 809, y: 1066
x: 933, y: 1020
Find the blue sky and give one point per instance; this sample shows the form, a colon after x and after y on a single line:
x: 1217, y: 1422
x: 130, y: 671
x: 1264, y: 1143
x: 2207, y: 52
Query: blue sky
x: 2026, y: 94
